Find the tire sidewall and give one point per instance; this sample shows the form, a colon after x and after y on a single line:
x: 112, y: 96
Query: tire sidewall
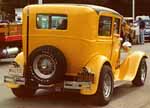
x: 104, y: 72
x: 137, y: 80
x: 100, y: 99
x: 143, y: 61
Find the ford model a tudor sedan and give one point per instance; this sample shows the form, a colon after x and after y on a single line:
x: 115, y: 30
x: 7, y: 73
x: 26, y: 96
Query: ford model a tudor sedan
x: 72, y: 46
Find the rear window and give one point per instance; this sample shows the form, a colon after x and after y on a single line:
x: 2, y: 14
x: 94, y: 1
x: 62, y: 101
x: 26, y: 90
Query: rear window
x: 45, y: 21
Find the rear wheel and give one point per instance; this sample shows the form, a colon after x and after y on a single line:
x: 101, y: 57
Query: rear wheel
x: 141, y: 74
x: 105, y: 87
x: 23, y: 92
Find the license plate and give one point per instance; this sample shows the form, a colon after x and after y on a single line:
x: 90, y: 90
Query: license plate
x: 16, y: 71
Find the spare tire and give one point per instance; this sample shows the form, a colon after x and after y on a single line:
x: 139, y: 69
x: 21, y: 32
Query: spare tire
x: 47, y: 65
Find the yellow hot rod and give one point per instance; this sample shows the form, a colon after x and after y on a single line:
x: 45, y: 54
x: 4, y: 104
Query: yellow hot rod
x: 73, y: 46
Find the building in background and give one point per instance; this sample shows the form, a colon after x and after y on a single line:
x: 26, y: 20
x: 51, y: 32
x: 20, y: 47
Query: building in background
x: 7, y: 7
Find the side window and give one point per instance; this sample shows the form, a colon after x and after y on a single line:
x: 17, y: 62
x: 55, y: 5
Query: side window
x: 45, y: 21
x: 117, y: 26
x: 105, y: 26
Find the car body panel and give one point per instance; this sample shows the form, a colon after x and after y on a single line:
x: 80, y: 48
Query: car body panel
x: 11, y: 85
x: 95, y: 65
x: 129, y: 67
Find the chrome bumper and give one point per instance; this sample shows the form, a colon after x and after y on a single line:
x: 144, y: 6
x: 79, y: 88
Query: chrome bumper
x: 77, y: 85
x: 84, y: 80
x: 15, y: 76
x: 14, y: 80
x: 67, y: 84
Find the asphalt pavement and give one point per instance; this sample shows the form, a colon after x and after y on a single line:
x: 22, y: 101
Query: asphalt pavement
x: 125, y: 96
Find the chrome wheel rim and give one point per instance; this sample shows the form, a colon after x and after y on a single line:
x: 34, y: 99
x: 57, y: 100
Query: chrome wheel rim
x: 143, y: 72
x: 107, y: 86
x: 44, y: 66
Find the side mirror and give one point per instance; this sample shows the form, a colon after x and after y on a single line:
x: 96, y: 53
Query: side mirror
x: 126, y: 46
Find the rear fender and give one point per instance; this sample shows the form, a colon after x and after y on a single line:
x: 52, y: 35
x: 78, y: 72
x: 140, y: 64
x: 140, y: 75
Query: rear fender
x: 95, y: 65
x: 20, y: 59
x: 129, y: 68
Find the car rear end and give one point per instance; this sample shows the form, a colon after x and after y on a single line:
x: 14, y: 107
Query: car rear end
x: 53, y: 53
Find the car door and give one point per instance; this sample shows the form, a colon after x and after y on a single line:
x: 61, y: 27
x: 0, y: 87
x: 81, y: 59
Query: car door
x: 116, y: 42
x: 105, y: 34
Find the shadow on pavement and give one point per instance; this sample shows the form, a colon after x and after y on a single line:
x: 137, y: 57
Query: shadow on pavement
x: 47, y: 99
x: 123, y: 90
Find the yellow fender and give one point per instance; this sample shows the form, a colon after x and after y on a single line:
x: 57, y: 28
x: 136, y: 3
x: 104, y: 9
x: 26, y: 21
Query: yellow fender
x: 95, y: 65
x: 129, y: 68
x: 20, y: 60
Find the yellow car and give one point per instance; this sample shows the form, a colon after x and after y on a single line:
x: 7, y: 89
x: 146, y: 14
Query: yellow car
x: 75, y: 47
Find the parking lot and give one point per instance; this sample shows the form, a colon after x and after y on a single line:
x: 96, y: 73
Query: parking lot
x: 125, y: 96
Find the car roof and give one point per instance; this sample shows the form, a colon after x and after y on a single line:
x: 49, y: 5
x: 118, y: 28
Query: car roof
x: 101, y: 8
x: 96, y: 8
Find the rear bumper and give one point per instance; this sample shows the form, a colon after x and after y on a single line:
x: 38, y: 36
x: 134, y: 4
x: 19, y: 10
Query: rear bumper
x: 83, y: 80
x: 77, y: 85
x: 17, y: 80
x: 14, y: 76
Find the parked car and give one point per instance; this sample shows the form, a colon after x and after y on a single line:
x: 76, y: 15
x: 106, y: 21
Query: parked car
x: 142, y: 17
x: 147, y: 29
x: 81, y: 52
x: 147, y: 23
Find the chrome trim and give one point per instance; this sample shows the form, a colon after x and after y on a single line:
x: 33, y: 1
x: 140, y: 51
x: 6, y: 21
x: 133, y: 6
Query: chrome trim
x: 143, y: 72
x: 77, y: 85
x: 46, y: 68
x: 14, y: 80
x: 107, y: 86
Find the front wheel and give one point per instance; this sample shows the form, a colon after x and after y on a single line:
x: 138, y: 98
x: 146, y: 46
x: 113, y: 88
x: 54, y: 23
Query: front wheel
x: 23, y: 92
x: 105, y: 87
x: 141, y: 74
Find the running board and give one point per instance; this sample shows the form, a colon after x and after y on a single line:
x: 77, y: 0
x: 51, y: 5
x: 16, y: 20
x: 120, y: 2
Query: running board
x: 119, y: 83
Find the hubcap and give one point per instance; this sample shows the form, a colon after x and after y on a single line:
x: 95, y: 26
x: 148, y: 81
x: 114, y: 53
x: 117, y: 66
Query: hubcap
x: 107, y: 86
x: 44, y: 66
x: 143, y: 72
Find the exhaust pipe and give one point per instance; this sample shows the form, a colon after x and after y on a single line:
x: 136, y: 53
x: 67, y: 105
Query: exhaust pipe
x: 9, y: 51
